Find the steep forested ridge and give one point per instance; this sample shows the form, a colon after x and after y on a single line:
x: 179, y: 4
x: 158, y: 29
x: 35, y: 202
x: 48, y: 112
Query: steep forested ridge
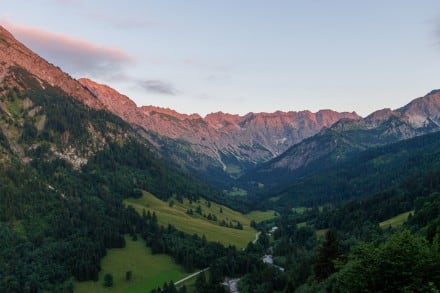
x: 64, y: 172
x: 362, y: 173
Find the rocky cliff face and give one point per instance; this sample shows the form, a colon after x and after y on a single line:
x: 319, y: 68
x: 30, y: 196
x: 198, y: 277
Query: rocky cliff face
x: 229, y: 139
x: 420, y: 116
x: 15, y: 54
x: 38, y: 109
x: 349, y: 136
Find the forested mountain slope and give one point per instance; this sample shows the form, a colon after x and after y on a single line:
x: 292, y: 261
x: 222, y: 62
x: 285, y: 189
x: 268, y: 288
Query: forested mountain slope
x: 362, y: 173
x: 344, y: 140
x: 65, y: 167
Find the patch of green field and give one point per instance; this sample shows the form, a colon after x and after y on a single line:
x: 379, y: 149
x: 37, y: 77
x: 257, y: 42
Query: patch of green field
x: 396, y: 221
x: 190, y: 284
x: 237, y: 192
x: 233, y: 169
x: 148, y: 271
x: 260, y: 216
x: 274, y: 199
x: 176, y: 215
x: 301, y: 225
x: 321, y: 233
x: 18, y: 227
x: 15, y: 107
x: 300, y: 210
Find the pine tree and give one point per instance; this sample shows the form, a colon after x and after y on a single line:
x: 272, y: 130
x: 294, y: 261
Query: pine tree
x: 328, y: 253
x: 108, y: 280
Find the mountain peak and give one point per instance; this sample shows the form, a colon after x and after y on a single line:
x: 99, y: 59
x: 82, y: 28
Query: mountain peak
x: 380, y: 115
x: 14, y: 54
x: 423, y: 110
x: 5, y: 36
x: 151, y: 110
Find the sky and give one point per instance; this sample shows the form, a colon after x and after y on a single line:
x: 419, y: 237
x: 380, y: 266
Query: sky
x: 241, y: 56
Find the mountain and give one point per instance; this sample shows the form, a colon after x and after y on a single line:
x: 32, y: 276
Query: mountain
x: 46, y: 116
x: 232, y: 142
x: 14, y: 54
x: 344, y: 140
x: 66, y: 164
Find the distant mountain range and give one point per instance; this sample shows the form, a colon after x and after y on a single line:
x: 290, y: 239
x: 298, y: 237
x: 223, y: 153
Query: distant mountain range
x: 222, y: 147
x: 232, y: 142
x: 347, y: 137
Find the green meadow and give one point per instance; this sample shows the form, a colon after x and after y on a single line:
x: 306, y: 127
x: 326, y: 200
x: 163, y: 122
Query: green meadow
x: 261, y: 216
x: 175, y: 213
x: 396, y: 221
x: 148, y: 271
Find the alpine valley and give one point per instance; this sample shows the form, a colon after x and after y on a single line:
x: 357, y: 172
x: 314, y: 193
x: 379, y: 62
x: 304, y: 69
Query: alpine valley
x: 100, y: 195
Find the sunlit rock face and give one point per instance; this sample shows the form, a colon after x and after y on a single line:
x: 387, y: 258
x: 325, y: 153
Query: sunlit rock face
x: 252, y: 138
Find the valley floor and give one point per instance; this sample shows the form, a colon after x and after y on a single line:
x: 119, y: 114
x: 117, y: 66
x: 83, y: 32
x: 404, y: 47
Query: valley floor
x: 148, y: 271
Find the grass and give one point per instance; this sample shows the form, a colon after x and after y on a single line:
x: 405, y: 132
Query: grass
x: 148, y: 271
x: 15, y: 107
x: 260, y: 216
x: 395, y: 221
x: 233, y: 170
x: 237, y: 192
x: 274, y: 198
x: 321, y: 233
x: 177, y: 216
x: 301, y: 225
x: 300, y: 210
x: 190, y: 284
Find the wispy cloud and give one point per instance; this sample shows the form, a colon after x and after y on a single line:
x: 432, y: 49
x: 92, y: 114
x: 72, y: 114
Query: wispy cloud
x: 76, y: 56
x: 158, y: 86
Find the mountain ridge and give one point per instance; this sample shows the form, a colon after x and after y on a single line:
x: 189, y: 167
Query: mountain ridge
x: 14, y: 53
x: 222, y: 141
x: 345, y: 139
x: 229, y: 139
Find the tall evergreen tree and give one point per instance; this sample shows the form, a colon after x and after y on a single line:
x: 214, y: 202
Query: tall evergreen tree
x: 328, y: 253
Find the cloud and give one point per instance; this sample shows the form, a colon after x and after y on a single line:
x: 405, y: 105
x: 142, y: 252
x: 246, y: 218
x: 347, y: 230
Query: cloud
x: 75, y: 56
x: 157, y: 86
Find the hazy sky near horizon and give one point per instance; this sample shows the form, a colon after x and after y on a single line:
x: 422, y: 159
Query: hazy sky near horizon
x: 241, y: 56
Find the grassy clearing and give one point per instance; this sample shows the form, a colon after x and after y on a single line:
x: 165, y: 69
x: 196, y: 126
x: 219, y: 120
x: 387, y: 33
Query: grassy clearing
x: 260, y: 216
x: 274, y: 199
x: 190, y: 284
x: 300, y: 210
x: 321, y: 233
x: 148, y: 271
x: 176, y: 215
x: 396, y: 221
x: 301, y: 225
x: 15, y: 106
x: 233, y: 170
x: 237, y: 192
